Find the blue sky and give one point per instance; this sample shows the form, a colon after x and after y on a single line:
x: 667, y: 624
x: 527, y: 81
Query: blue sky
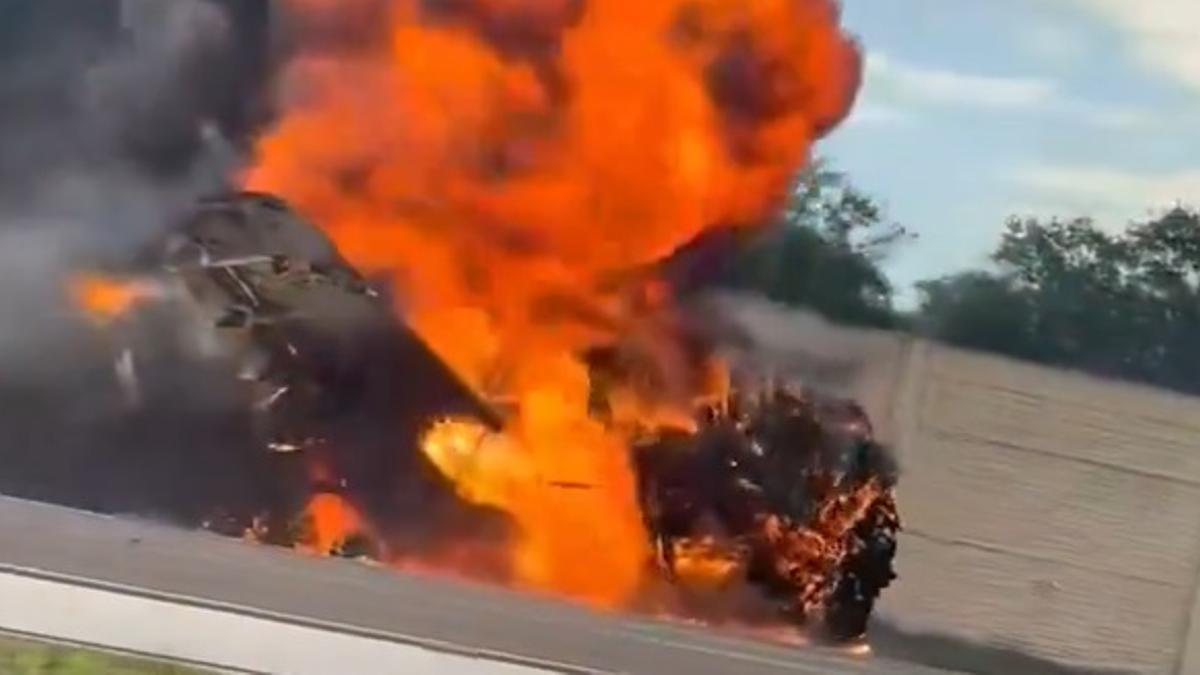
x: 973, y: 110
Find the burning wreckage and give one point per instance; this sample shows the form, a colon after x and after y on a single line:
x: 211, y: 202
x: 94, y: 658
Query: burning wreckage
x: 769, y: 485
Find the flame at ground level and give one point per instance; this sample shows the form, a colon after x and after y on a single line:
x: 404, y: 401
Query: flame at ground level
x: 330, y: 523
x: 568, y: 486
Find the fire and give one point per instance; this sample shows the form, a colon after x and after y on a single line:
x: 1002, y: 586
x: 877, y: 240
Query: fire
x: 504, y: 161
x: 104, y: 299
x: 704, y: 562
x: 330, y: 521
x: 555, y: 472
x: 810, y: 554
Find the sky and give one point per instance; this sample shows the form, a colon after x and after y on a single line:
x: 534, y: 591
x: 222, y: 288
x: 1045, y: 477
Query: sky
x: 976, y: 110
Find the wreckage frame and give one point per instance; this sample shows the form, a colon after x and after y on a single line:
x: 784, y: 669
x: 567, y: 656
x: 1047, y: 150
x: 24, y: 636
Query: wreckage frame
x: 789, y: 487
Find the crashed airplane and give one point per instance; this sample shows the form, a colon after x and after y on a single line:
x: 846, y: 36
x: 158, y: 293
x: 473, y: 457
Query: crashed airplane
x: 770, y: 486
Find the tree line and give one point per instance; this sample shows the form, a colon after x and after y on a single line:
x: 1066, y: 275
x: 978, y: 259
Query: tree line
x: 1061, y: 291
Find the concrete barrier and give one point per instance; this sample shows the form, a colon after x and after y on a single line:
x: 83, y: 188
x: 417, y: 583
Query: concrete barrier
x: 1045, y: 510
x: 212, y: 639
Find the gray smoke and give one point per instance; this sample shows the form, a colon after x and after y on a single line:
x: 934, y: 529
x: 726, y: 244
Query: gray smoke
x: 787, y: 342
x: 72, y: 188
x: 115, y: 115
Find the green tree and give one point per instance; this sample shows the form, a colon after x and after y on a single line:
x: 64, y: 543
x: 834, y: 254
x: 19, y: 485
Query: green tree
x: 1068, y: 293
x: 825, y: 251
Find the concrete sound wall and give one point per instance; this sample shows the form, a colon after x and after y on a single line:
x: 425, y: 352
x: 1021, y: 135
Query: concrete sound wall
x: 1045, y: 511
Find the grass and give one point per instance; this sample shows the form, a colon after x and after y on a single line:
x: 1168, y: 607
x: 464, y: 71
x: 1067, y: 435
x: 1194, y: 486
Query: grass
x: 25, y: 657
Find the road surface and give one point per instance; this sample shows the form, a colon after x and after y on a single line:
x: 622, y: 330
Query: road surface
x: 45, y: 550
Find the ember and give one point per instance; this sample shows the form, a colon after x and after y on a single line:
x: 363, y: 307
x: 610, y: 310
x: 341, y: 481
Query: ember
x: 498, y: 365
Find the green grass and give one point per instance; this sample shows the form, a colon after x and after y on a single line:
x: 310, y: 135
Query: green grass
x: 24, y: 657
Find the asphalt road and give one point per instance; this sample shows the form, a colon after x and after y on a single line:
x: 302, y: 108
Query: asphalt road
x: 203, y: 569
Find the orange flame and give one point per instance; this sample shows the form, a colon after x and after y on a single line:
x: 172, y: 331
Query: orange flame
x: 810, y: 554
x: 331, y: 520
x: 104, y: 299
x: 504, y: 161
x: 705, y: 562
x: 566, y: 482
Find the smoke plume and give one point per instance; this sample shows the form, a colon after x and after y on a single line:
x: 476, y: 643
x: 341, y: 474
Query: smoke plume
x: 114, y: 116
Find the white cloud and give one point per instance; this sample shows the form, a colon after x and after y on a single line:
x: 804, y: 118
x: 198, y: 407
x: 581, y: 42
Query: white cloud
x: 1112, y: 118
x: 1112, y: 195
x: 924, y: 84
x: 867, y: 113
x: 893, y: 87
x: 1164, y: 34
x: 1053, y: 42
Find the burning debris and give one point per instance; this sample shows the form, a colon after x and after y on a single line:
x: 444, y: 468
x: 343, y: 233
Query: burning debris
x: 787, y: 492
x: 331, y: 375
